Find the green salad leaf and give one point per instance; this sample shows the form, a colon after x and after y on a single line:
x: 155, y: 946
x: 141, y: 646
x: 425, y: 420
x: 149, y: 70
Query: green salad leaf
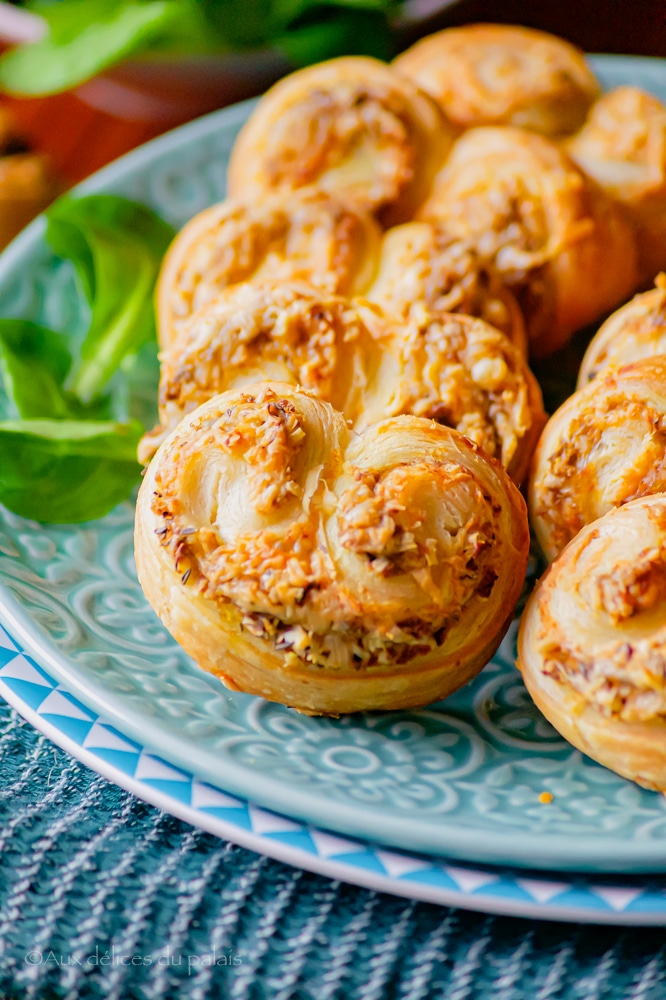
x: 354, y: 32
x: 34, y: 362
x: 86, y: 37
x: 117, y: 247
x: 69, y: 453
x: 64, y: 471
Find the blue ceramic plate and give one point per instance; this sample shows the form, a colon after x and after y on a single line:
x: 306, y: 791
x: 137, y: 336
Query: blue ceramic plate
x: 629, y: 900
x: 461, y: 779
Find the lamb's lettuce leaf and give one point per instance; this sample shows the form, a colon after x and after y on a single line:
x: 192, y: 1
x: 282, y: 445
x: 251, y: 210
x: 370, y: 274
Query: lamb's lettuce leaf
x: 68, y: 446
x: 64, y: 471
x: 117, y: 247
x: 86, y: 37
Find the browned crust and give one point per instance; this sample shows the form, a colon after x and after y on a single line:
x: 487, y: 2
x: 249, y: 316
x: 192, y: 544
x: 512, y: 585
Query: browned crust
x: 551, y: 235
x: 612, y: 711
x: 495, y: 74
x: 311, y: 126
x: 605, y: 446
x: 307, y: 235
x: 213, y: 630
x: 635, y: 331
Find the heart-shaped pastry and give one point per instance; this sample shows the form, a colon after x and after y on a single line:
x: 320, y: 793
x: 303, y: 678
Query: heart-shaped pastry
x: 605, y: 446
x: 307, y: 235
x: 448, y: 367
x: 551, y: 235
x: 592, y: 641
x: 636, y: 330
x: 622, y: 147
x: 502, y: 74
x: 352, y: 126
x: 330, y: 571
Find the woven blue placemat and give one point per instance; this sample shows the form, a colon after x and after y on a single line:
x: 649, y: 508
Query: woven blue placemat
x: 102, y: 895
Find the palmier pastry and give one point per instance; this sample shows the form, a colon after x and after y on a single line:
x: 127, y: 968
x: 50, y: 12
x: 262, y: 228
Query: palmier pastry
x: 306, y: 234
x: 345, y: 353
x: 352, y: 126
x: 329, y: 571
x: 592, y: 641
x: 636, y: 330
x: 450, y: 368
x: 497, y: 74
x: 622, y: 146
x: 553, y: 236
x: 465, y: 374
x: 421, y: 267
x: 605, y: 446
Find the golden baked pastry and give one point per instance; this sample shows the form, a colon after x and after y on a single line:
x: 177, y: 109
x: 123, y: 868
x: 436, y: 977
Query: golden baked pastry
x: 328, y: 571
x: 562, y: 246
x: 605, y: 445
x: 465, y: 374
x: 636, y: 330
x: 288, y: 332
x: 501, y: 74
x: 350, y: 125
x: 422, y: 267
x: 592, y: 641
x: 622, y: 146
x: 450, y: 368
x: 300, y: 235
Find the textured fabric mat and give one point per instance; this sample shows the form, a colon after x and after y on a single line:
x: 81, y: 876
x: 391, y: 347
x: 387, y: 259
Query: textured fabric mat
x: 104, y: 896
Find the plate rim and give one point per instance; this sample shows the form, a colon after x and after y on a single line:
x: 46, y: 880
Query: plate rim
x: 462, y: 842
x: 604, y: 903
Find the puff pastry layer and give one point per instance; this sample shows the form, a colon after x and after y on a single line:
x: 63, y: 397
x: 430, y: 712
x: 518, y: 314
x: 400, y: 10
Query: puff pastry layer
x: 605, y: 446
x: 592, y: 641
x: 329, y: 571
x: 554, y: 237
x: 301, y: 235
x: 622, y: 146
x: 495, y: 74
x: 450, y: 368
x: 350, y: 125
x: 634, y: 331
x: 421, y: 267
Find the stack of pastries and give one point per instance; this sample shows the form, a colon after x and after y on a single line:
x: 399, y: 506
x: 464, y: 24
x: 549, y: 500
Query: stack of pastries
x: 331, y: 515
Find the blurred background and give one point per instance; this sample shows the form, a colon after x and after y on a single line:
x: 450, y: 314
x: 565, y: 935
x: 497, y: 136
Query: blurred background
x: 84, y: 81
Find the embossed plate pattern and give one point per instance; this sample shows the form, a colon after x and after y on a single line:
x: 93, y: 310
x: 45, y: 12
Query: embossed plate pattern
x: 638, y: 900
x: 461, y: 779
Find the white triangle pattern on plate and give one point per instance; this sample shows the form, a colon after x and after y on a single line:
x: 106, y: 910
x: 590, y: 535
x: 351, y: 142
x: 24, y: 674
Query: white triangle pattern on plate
x: 353, y: 859
x: 204, y: 796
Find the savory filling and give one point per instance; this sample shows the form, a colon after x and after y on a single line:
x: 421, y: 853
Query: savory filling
x: 263, y: 554
x: 613, y: 451
x: 350, y: 137
x: 312, y: 238
x: 468, y: 377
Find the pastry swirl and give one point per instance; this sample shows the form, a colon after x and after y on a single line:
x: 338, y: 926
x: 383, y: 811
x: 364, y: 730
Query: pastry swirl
x: 344, y: 352
x: 423, y: 268
x: 351, y: 126
x: 636, y: 330
x: 450, y: 368
x: 307, y: 235
x: 465, y: 374
x: 553, y: 237
x: 329, y: 571
x: 592, y: 641
x: 605, y: 446
x: 495, y: 74
x: 622, y: 146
